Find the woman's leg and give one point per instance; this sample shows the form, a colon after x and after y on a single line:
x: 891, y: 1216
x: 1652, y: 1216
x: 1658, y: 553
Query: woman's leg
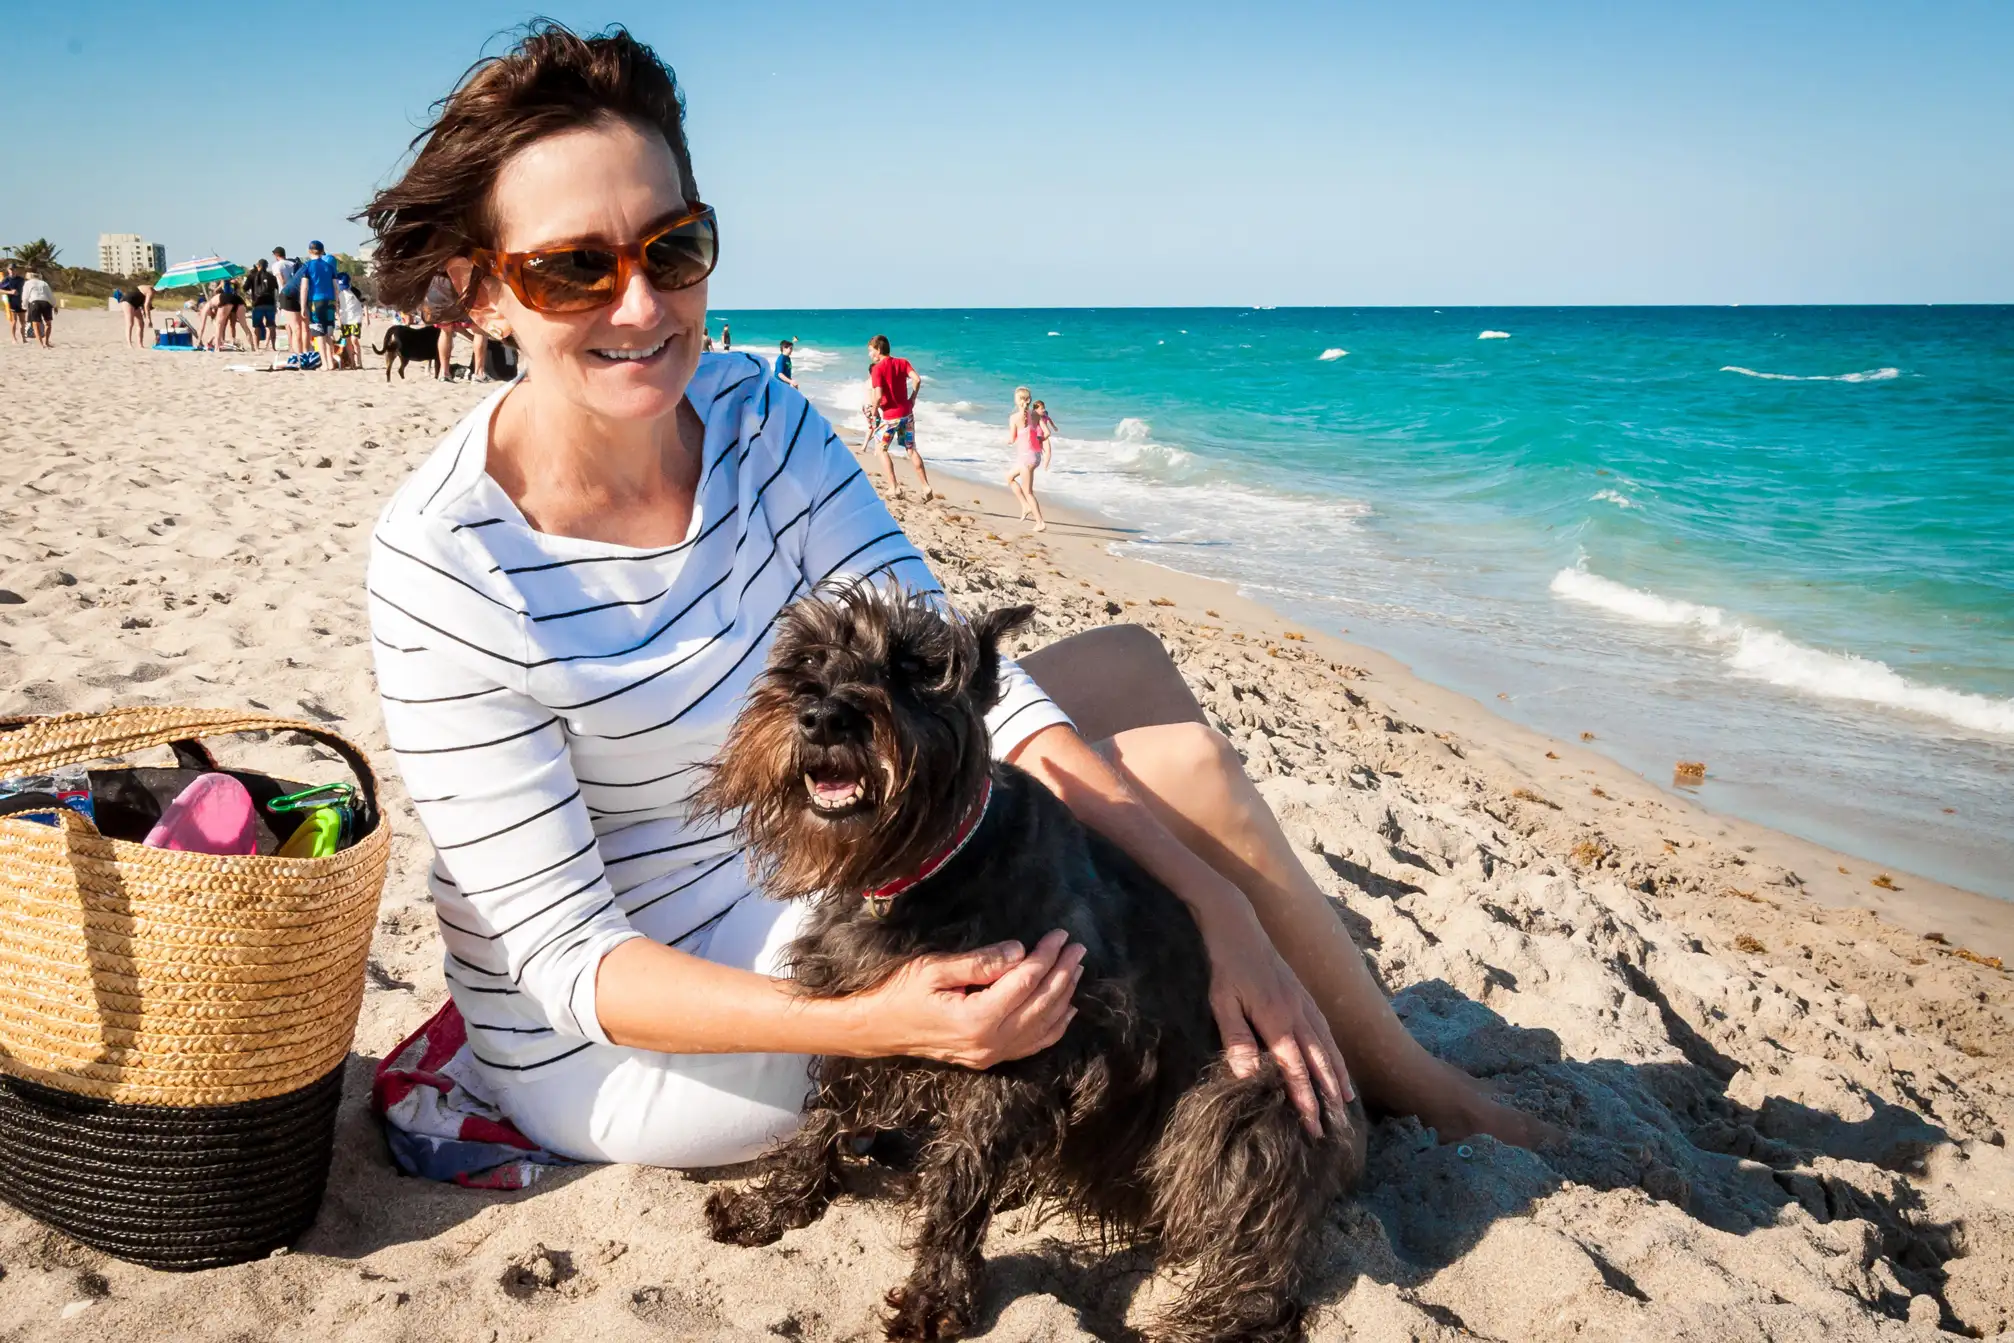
x: 1020, y: 491
x: 1120, y: 688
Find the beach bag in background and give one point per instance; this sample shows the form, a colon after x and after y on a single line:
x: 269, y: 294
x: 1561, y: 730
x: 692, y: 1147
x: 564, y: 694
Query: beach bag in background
x: 173, y: 1025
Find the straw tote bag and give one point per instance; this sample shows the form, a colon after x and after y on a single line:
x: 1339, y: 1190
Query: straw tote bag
x: 173, y: 1025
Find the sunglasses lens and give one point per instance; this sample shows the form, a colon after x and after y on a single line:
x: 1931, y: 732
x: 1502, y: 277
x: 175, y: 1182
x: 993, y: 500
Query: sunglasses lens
x: 569, y: 281
x: 681, y: 257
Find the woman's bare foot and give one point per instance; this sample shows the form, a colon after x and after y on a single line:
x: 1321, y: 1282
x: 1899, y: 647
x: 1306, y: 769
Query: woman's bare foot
x: 1041, y: 527
x: 1462, y: 1107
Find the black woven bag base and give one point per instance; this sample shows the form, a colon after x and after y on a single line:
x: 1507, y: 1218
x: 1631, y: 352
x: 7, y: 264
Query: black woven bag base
x: 166, y: 1186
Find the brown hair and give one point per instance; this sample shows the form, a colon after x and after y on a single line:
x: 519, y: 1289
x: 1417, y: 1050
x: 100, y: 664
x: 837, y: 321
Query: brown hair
x: 879, y: 345
x: 552, y: 80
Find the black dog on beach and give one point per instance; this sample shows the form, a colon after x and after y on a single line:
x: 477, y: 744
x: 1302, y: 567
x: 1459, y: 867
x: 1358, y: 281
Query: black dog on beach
x: 410, y: 344
x: 860, y: 760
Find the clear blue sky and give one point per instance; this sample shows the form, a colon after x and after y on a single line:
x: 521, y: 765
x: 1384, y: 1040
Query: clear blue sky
x: 1118, y: 153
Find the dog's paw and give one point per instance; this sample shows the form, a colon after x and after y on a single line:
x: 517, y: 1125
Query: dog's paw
x: 923, y: 1315
x: 739, y: 1218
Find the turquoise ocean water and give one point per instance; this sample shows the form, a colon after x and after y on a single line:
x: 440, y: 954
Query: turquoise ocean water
x: 1779, y: 540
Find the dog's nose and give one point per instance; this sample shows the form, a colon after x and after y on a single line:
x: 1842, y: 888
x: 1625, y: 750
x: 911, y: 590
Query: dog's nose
x: 823, y: 722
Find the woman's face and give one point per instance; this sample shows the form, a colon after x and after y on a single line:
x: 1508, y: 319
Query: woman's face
x: 608, y: 183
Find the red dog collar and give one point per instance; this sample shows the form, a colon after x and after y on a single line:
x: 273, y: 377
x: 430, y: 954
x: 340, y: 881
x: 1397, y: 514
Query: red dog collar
x: 881, y: 897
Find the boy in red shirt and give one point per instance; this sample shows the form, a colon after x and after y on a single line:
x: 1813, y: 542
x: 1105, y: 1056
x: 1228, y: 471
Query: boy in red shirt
x: 895, y: 383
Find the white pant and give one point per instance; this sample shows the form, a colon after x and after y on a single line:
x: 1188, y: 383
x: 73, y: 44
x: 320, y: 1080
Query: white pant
x: 640, y: 1107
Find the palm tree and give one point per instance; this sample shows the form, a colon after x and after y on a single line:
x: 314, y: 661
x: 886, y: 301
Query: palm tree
x: 38, y: 255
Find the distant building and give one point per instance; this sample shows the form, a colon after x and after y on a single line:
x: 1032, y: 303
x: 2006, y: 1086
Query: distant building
x: 130, y: 254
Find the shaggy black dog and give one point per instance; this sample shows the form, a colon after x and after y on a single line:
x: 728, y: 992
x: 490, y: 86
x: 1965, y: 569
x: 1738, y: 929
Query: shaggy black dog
x: 408, y: 344
x: 860, y: 759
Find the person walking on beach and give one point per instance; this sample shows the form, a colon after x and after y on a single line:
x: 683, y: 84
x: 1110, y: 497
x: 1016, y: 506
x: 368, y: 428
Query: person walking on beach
x: 316, y: 282
x: 284, y: 271
x: 38, y: 303
x: 1029, y: 438
x: 893, y: 384
x: 783, y: 349
x: 350, y: 317
x: 262, y: 291
x: 10, y: 287
x: 726, y: 337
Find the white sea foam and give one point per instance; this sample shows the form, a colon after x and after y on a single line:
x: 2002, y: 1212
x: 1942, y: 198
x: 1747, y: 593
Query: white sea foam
x: 1332, y: 353
x: 1766, y: 655
x: 1055, y: 333
x: 1494, y: 335
x: 1613, y: 497
x: 964, y: 407
x: 1865, y: 375
x: 1131, y: 430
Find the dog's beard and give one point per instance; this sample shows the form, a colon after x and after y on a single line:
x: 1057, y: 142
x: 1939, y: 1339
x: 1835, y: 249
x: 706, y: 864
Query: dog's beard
x: 850, y: 817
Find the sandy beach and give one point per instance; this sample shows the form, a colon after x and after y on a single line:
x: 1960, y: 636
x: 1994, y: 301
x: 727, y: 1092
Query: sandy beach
x: 1788, y: 1075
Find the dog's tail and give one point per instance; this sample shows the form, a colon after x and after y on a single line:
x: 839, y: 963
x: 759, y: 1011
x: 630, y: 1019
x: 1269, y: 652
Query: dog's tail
x: 1240, y: 1190
x: 384, y: 344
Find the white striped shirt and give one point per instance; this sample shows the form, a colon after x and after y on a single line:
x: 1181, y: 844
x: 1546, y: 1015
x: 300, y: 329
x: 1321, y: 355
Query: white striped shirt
x: 549, y: 699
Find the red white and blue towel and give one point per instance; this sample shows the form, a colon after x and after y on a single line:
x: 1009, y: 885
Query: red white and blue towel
x: 439, y: 1119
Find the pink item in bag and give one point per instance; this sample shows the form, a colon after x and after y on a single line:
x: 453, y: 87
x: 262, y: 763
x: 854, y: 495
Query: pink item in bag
x: 212, y: 815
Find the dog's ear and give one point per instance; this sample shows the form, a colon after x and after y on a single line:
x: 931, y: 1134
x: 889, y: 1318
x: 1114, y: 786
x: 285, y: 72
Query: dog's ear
x: 989, y: 629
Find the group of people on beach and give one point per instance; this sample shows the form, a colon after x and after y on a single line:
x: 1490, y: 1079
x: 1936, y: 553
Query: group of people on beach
x: 889, y: 407
x: 320, y: 304
x: 31, y: 306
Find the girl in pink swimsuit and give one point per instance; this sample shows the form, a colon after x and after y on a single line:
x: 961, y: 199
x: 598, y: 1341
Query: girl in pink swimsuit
x: 1029, y: 436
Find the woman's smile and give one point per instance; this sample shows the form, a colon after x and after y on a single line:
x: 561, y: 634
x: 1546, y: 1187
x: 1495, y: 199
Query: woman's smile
x: 638, y: 355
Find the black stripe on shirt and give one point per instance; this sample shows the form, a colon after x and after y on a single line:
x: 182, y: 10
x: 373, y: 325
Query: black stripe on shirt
x: 475, y: 745
x: 453, y: 577
x: 527, y: 1067
x: 639, y: 601
x: 568, y: 931
x: 492, y: 890
x: 514, y: 825
x: 668, y: 848
x: 601, y: 559
x: 442, y: 699
x: 684, y: 885
x: 452, y: 468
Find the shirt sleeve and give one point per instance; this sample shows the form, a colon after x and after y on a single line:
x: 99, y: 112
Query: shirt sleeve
x: 518, y: 881
x: 848, y: 532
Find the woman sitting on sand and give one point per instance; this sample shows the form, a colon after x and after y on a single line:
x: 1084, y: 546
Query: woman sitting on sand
x: 569, y: 600
x: 1029, y: 438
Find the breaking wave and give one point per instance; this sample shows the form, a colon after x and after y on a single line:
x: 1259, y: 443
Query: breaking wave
x: 1765, y: 655
x: 1865, y: 375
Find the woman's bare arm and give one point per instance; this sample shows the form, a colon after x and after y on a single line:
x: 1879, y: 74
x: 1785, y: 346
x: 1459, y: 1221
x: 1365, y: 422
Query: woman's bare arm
x: 650, y: 996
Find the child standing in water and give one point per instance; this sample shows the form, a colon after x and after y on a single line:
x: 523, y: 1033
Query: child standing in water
x: 1028, y: 434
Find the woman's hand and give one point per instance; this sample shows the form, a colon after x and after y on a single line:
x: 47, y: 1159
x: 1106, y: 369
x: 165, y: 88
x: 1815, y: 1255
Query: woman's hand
x: 1256, y: 997
x: 976, y: 1008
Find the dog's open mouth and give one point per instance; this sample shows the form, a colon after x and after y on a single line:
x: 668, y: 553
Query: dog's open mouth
x: 834, y: 790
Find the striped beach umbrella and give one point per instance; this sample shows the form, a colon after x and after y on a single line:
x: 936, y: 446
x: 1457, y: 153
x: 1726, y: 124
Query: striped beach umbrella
x: 198, y: 270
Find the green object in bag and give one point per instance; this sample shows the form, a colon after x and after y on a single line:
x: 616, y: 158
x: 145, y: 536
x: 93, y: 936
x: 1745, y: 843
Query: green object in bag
x: 319, y: 834
x: 326, y: 827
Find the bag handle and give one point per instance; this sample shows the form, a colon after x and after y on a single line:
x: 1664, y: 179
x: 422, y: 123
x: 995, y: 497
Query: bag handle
x: 38, y: 745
